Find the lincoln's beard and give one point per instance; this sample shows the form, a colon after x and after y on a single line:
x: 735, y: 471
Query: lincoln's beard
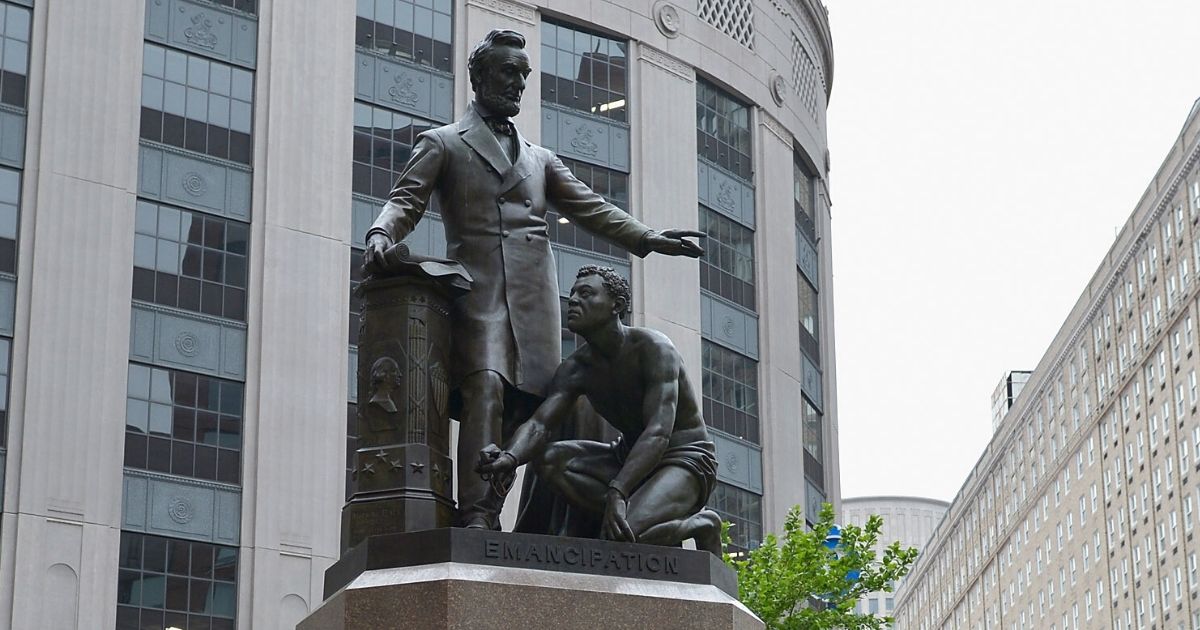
x: 498, y: 104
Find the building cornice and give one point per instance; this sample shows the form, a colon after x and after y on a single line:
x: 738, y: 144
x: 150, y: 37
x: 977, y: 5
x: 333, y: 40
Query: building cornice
x: 811, y: 18
x: 770, y: 123
x: 507, y: 8
x: 873, y: 499
x: 656, y: 57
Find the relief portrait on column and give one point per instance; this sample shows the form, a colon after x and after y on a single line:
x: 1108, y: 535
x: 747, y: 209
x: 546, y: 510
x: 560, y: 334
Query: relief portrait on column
x: 494, y: 188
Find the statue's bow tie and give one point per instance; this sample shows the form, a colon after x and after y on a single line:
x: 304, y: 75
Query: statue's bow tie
x: 502, y: 126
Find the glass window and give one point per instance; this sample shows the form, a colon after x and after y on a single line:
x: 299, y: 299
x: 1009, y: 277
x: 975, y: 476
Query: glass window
x: 190, y: 260
x: 356, y: 258
x: 730, y: 387
x: 418, y: 32
x: 727, y: 268
x: 5, y: 368
x: 383, y: 142
x: 171, y: 583
x: 196, y: 103
x: 584, y: 71
x: 809, y: 305
x: 249, y: 6
x: 351, y: 446
x: 184, y: 424
x: 614, y: 187
x: 743, y: 511
x: 14, y: 54
x: 813, y: 431
x: 10, y: 196
x: 803, y: 199
x: 723, y: 130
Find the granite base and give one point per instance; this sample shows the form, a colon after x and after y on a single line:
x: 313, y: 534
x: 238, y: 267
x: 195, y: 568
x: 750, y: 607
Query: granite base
x: 453, y: 596
x: 464, y: 579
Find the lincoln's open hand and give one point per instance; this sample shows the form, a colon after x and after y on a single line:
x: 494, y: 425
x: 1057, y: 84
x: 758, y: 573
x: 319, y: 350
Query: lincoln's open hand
x: 377, y: 244
x: 674, y: 243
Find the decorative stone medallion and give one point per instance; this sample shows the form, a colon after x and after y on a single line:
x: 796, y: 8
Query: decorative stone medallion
x: 180, y: 510
x: 193, y: 184
x: 727, y: 326
x: 666, y: 18
x: 187, y: 344
x: 778, y: 88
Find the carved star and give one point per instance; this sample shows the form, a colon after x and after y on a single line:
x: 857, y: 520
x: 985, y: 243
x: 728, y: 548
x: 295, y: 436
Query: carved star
x: 381, y: 455
x: 395, y: 463
x: 368, y: 468
x: 417, y: 467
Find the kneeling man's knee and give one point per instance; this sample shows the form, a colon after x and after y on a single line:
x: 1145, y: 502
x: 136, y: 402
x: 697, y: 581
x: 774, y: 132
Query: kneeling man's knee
x: 553, y: 460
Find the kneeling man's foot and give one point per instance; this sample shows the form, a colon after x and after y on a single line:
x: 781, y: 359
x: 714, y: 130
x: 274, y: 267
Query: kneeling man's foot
x: 478, y: 521
x: 705, y: 527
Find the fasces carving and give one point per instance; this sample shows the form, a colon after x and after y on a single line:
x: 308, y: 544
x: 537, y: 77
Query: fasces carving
x: 668, y: 63
x: 513, y: 10
x: 418, y: 367
x: 666, y: 18
x: 200, y: 32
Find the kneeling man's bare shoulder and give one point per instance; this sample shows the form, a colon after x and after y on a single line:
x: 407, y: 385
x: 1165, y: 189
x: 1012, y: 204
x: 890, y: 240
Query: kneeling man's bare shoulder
x: 656, y: 349
x: 571, y: 373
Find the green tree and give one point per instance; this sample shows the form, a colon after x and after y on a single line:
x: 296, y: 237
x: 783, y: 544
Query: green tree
x: 798, y: 583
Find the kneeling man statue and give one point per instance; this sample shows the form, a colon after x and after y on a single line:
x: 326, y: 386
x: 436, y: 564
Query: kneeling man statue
x: 652, y: 483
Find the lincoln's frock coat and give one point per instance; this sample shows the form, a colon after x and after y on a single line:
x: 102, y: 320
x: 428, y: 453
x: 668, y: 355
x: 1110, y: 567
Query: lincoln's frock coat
x: 494, y: 213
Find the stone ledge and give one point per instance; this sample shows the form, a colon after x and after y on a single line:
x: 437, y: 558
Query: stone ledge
x: 531, y: 552
x: 444, y: 596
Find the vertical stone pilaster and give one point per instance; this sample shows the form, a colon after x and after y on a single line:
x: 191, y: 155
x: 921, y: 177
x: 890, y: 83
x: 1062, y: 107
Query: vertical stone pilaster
x: 295, y: 409
x: 780, y: 366
x: 66, y: 422
x: 664, y: 182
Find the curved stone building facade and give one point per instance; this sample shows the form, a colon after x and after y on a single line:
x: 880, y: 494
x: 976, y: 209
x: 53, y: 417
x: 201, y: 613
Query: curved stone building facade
x: 910, y: 521
x: 184, y: 186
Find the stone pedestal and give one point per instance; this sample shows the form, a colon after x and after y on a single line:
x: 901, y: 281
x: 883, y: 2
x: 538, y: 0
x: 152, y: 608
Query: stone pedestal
x: 402, y: 470
x: 470, y: 579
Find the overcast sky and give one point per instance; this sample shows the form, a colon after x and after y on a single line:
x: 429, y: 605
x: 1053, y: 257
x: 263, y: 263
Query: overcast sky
x: 983, y: 154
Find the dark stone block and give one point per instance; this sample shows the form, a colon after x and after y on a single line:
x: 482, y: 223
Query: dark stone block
x: 530, y: 551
